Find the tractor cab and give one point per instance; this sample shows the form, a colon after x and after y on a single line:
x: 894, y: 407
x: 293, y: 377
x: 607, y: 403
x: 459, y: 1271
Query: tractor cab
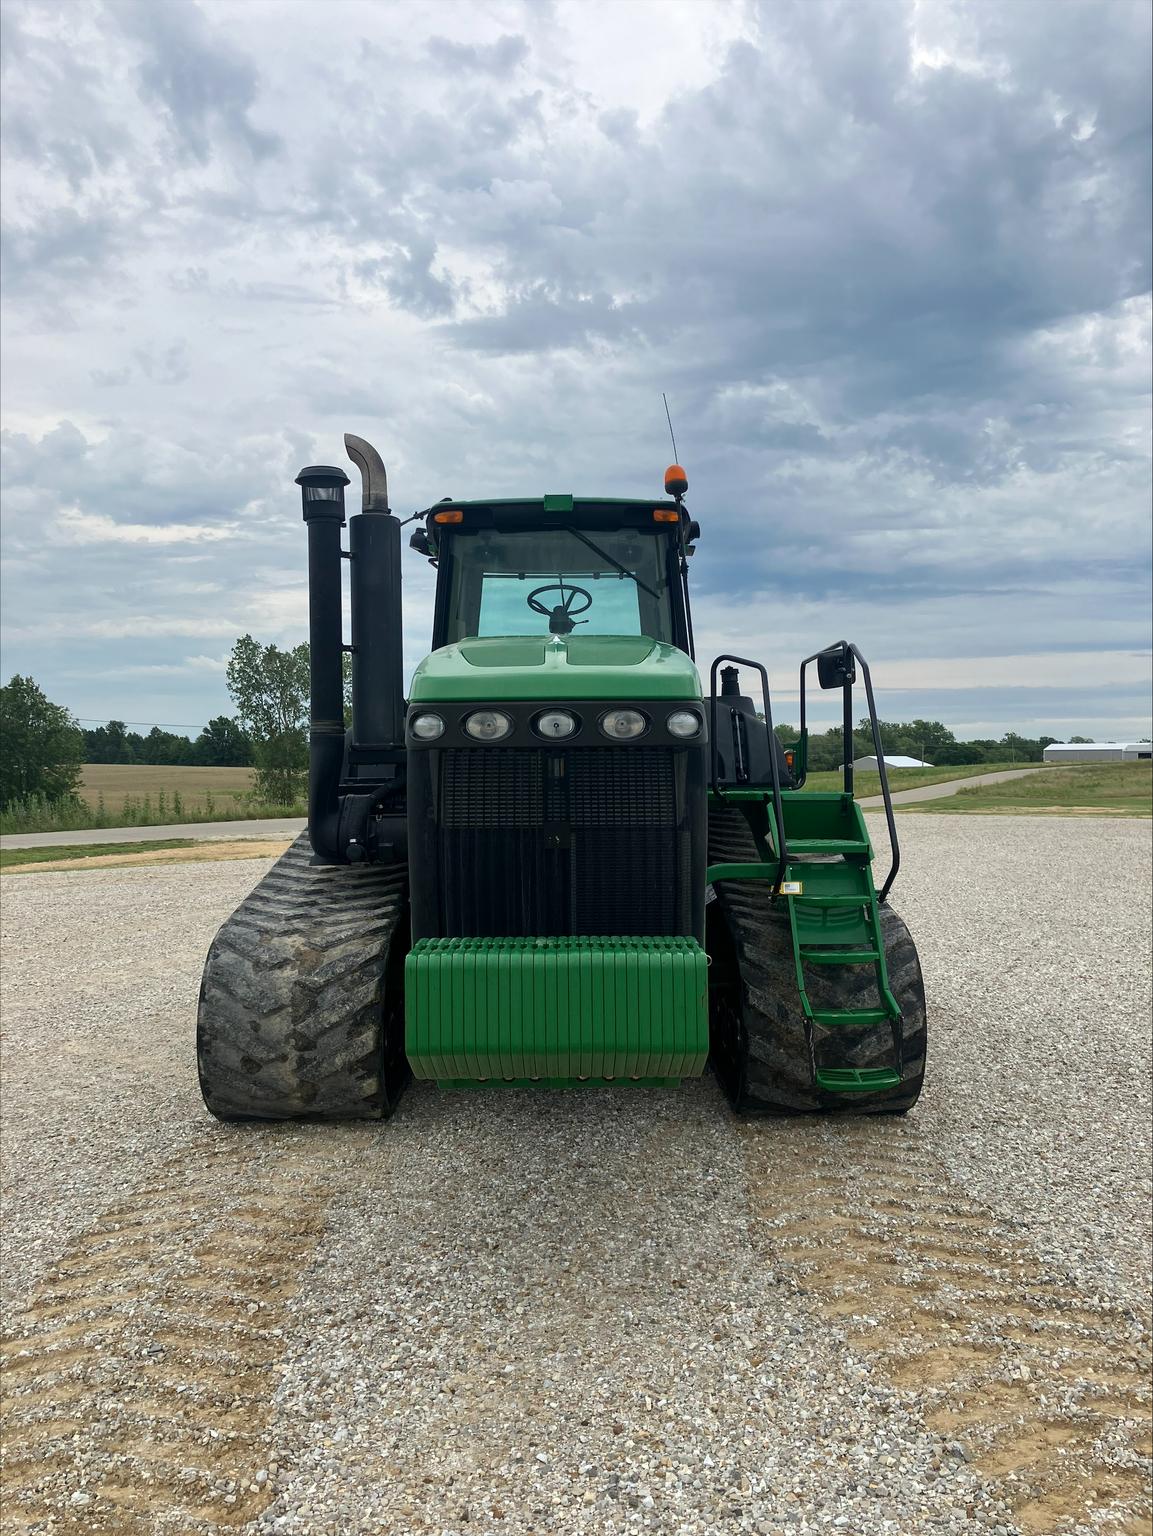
x: 557, y: 566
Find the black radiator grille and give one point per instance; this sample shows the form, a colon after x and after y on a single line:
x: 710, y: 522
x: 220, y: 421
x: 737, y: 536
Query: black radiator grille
x: 622, y: 787
x: 484, y: 788
x: 552, y: 842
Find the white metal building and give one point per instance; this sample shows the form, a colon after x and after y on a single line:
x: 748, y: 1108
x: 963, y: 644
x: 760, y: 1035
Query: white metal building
x: 1098, y: 751
x: 870, y: 763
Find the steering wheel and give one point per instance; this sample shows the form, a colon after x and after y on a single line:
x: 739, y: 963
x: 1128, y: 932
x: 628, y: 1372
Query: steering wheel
x: 560, y: 618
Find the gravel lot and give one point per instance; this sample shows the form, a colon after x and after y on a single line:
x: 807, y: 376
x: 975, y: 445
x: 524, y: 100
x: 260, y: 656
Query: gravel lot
x: 590, y: 1312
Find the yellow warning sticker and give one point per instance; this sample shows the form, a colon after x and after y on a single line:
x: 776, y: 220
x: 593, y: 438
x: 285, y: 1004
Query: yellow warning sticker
x: 792, y: 888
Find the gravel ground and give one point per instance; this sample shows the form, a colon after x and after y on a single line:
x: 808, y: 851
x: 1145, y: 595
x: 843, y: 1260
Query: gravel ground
x: 590, y: 1312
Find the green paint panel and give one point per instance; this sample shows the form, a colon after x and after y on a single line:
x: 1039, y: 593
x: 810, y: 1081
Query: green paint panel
x: 556, y: 1010
x: 857, y: 1079
x: 455, y: 1083
x: 580, y: 667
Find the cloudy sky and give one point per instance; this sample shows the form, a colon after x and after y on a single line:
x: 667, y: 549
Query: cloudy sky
x: 888, y: 258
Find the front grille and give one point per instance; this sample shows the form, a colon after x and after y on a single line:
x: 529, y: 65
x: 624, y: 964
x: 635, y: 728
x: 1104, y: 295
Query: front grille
x: 545, y: 842
x: 492, y: 789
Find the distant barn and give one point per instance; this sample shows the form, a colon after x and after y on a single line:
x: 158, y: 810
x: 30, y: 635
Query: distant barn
x: 1098, y: 751
x: 869, y: 764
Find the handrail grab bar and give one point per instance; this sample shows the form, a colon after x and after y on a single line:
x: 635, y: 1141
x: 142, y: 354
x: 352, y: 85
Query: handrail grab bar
x: 778, y: 804
x: 846, y: 648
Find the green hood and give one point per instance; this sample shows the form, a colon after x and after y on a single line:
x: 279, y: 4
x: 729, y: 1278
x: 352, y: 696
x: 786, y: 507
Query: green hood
x: 579, y: 667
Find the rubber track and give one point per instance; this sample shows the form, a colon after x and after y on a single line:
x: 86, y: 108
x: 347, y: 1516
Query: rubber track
x: 777, y: 1075
x: 300, y: 1012
x: 1043, y: 1381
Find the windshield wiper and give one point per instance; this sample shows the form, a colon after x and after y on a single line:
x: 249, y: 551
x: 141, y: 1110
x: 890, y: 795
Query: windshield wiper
x: 612, y: 560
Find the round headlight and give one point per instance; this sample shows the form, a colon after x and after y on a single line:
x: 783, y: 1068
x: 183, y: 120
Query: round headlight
x: 555, y: 724
x: 426, y: 727
x: 684, y: 723
x: 488, y: 725
x: 624, y: 724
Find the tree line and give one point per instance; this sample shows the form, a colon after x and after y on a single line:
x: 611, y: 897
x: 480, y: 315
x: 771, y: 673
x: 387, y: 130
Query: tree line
x: 927, y: 740
x: 223, y: 743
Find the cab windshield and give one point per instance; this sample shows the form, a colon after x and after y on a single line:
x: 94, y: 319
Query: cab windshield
x: 607, y: 582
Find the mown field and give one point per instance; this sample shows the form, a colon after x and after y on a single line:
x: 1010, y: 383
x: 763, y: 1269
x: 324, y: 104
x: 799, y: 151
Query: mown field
x: 866, y: 784
x: 196, y: 786
x: 1104, y: 789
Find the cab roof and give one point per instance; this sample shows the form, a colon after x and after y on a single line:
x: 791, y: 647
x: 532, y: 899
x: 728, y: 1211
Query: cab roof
x: 553, y: 509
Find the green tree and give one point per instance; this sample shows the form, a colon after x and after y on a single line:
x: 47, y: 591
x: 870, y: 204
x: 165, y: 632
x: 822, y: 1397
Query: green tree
x: 933, y: 741
x: 1020, y: 749
x: 223, y: 743
x: 108, y: 743
x: 269, y: 687
x: 165, y: 748
x: 41, y: 745
x: 825, y: 751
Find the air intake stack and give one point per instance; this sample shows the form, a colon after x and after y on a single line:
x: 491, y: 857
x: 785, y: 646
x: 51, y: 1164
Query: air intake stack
x: 322, y: 493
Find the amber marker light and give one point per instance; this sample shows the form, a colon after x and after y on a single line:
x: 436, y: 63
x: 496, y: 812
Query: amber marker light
x: 663, y: 515
x: 676, y: 481
x: 448, y: 517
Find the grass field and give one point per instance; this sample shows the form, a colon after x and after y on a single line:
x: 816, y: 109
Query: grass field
x: 124, y: 795
x: 866, y: 784
x: 1105, y: 789
x: 194, y: 785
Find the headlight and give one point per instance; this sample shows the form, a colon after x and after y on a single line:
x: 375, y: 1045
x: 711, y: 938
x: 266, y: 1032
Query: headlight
x: 623, y: 724
x: 684, y: 723
x: 426, y: 727
x: 555, y: 724
x: 488, y: 725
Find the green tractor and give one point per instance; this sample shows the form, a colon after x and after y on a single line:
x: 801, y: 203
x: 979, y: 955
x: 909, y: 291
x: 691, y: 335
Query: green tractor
x: 559, y: 862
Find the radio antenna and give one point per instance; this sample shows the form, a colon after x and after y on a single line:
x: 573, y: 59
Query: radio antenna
x: 669, y: 419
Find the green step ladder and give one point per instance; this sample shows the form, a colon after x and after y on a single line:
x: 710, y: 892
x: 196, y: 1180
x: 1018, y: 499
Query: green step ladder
x: 835, y: 921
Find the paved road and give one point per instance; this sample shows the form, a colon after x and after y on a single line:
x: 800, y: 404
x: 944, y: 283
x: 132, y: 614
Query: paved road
x: 287, y: 827
x: 950, y: 787
x: 290, y: 827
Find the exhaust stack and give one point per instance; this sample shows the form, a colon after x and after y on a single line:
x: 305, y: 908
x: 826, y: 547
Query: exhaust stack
x: 374, y: 549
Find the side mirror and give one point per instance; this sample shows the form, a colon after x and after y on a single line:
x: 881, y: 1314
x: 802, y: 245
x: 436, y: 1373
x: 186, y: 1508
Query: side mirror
x: 419, y: 542
x: 837, y: 667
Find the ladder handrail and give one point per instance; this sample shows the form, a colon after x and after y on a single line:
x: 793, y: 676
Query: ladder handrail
x: 714, y: 764
x: 846, y: 648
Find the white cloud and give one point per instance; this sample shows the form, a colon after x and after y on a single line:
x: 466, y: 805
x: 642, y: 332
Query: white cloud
x: 157, y: 626
x: 76, y: 527
x: 897, y: 292
x: 1055, y: 669
x: 193, y: 664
